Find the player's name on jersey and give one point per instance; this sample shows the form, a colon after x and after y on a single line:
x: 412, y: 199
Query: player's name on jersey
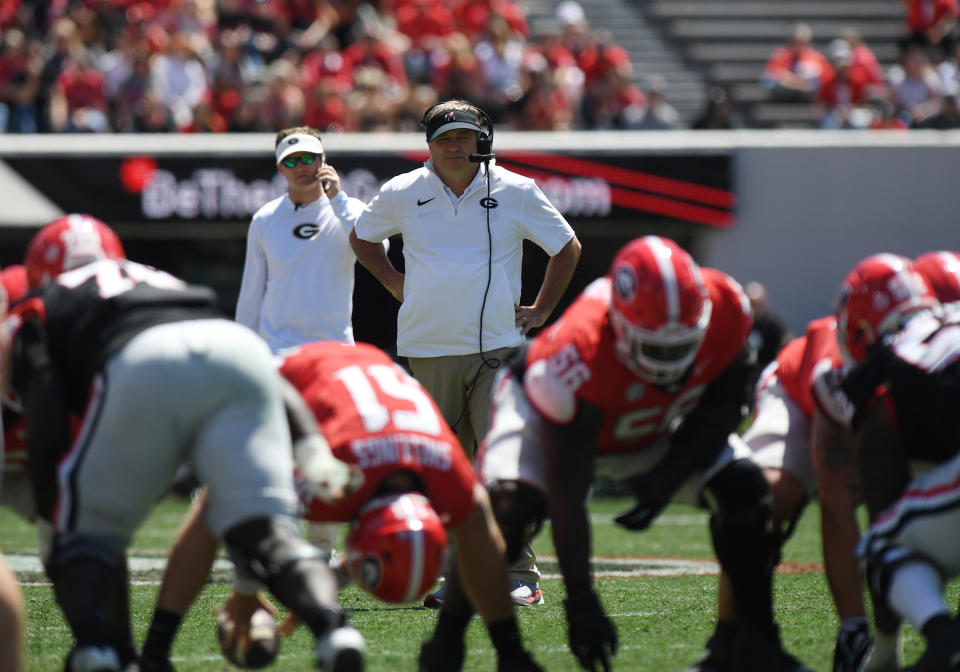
x: 377, y: 451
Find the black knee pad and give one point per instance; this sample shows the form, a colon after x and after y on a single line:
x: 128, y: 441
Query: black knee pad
x: 292, y: 569
x: 740, y: 501
x: 882, y: 560
x: 520, y: 510
x: 90, y: 585
x: 267, y: 548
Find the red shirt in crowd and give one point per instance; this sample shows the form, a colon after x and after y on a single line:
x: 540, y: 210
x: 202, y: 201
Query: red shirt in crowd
x: 850, y: 87
x: 424, y: 22
x: 924, y: 14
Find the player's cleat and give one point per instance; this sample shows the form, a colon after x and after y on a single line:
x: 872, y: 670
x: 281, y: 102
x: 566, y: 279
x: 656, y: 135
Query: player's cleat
x: 441, y: 655
x: 341, y: 650
x: 93, y: 659
x: 852, y: 648
x: 522, y: 593
x: 943, y: 646
x: 709, y: 663
x: 522, y: 662
x: 787, y: 663
x: 756, y: 651
x: 718, y: 650
x: 525, y: 594
x: 151, y: 665
x: 435, y: 599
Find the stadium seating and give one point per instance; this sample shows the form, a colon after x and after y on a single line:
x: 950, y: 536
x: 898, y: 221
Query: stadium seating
x: 731, y: 40
x: 727, y: 42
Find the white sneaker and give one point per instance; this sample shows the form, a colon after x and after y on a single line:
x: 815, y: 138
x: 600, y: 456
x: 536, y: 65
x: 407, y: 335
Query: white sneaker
x: 94, y: 659
x: 341, y: 650
x: 526, y: 594
x: 435, y: 599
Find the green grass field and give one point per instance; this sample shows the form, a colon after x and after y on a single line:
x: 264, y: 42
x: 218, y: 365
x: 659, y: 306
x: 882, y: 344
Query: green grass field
x: 662, y: 621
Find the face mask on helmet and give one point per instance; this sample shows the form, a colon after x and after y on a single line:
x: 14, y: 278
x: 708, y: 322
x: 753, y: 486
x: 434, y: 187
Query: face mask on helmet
x: 395, y: 547
x: 876, y: 298
x: 69, y: 242
x: 659, y: 309
x: 941, y: 270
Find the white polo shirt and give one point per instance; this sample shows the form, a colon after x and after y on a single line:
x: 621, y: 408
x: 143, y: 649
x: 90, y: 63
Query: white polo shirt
x: 298, y: 275
x: 445, y: 250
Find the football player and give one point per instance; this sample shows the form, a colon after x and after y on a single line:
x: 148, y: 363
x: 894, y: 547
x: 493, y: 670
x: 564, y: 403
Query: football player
x: 941, y: 270
x: 780, y: 439
x: 839, y: 494
x: 12, y: 620
x: 158, y: 378
x: 12, y: 614
x: 644, y: 378
x: 903, y: 390
x: 17, y: 492
x: 379, y: 419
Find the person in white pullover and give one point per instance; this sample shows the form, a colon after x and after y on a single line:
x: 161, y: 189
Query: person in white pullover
x: 298, y: 275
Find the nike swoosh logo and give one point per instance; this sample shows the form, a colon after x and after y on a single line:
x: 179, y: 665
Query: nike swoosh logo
x: 419, y: 202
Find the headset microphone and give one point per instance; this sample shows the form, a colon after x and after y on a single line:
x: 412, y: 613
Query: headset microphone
x: 482, y: 158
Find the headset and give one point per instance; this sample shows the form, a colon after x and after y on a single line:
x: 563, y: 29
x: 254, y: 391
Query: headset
x: 484, y: 155
x: 484, y: 145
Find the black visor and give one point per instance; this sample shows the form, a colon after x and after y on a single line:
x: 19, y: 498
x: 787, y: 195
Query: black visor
x: 451, y: 120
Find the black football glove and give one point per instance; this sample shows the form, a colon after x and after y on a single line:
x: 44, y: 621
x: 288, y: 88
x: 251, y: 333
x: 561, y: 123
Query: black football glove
x: 593, y: 639
x: 650, y: 502
x: 852, y: 648
x: 441, y: 656
x: 640, y: 516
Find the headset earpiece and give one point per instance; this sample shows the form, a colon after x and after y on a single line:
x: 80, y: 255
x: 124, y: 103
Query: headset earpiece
x: 485, y: 137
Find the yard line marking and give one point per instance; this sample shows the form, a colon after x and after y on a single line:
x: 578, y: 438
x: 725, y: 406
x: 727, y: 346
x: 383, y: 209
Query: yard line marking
x: 604, y: 567
x: 667, y: 519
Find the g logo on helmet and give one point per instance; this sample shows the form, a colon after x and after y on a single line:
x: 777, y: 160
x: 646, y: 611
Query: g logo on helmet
x: 625, y: 283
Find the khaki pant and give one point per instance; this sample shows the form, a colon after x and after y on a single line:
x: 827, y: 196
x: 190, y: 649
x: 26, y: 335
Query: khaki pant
x: 461, y: 386
x: 449, y: 380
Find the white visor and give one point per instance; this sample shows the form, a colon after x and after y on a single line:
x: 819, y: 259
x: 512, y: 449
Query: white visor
x: 298, y: 142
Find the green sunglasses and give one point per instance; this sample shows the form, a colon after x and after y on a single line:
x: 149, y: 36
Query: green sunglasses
x: 306, y: 159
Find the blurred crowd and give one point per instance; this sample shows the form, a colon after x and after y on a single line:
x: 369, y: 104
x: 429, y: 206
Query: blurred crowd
x: 198, y: 66
x: 336, y: 65
x: 850, y: 88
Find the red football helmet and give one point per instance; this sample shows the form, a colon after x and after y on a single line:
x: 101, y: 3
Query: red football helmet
x: 877, y: 295
x: 395, y: 547
x: 660, y: 309
x: 941, y: 270
x: 14, y: 281
x: 68, y: 242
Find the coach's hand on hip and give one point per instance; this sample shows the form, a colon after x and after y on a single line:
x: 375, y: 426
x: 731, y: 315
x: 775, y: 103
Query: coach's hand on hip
x: 529, y: 317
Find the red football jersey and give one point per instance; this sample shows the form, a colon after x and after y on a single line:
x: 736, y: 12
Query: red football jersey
x: 583, y: 366
x: 800, y: 360
x: 378, y: 417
